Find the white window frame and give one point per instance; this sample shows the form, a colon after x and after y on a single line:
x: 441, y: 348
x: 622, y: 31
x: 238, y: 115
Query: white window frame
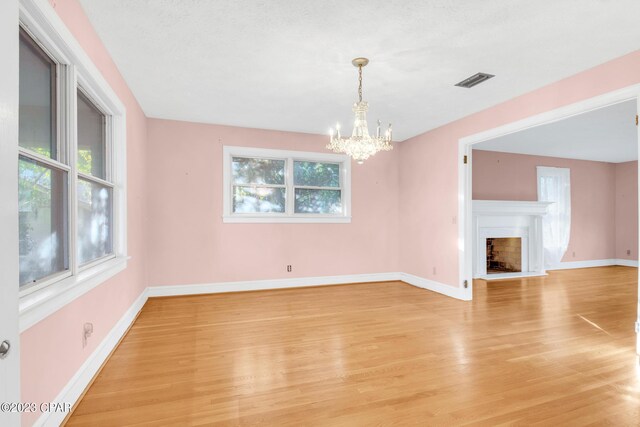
x: 289, y: 216
x: 76, y: 72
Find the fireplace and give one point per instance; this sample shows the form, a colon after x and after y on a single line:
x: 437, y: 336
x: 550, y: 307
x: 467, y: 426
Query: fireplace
x: 504, y: 255
x: 507, y: 239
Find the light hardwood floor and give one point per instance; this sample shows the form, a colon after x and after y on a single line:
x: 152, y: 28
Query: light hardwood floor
x: 551, y: 351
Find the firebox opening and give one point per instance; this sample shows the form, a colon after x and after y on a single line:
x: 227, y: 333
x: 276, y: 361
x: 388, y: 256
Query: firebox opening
x: 504, y: 255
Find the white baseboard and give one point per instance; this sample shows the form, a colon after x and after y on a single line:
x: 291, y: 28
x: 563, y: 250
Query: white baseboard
x: 594, y: 263
x: 259, y: 285
x: 441, y: 288
x: 627, y: 262
x: 583, y: 264
x: 76, y: 386
x: 79, y: 382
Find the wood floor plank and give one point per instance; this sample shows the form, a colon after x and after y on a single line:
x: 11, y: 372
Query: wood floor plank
x: 554, y: 350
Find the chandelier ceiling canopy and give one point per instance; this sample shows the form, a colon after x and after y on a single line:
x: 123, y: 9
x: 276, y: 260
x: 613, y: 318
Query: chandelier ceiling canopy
x: 360, y: 145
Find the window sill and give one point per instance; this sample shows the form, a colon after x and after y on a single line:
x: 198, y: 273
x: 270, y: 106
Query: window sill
x: 287, y: 219
x: 40, y: 304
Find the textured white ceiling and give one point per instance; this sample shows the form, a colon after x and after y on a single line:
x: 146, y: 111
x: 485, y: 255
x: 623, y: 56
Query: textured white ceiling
x: 606, y: 135
x: 286, y: 64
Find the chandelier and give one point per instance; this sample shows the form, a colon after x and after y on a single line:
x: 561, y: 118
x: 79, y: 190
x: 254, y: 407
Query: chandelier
x: 360, y: 145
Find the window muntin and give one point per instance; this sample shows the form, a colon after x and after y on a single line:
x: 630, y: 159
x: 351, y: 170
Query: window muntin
x: 264, y: 185
x: 38, y: 99
x: 92, y: 147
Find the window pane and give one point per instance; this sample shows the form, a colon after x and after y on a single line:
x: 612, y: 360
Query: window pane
x: 318, y: 201
x: 91, y: 138
x: 37, y: 121
x: 315, y: 174
x: 257, y: 171
x: 42, y: 206
x: 258, y: 199
x: 94, y: 221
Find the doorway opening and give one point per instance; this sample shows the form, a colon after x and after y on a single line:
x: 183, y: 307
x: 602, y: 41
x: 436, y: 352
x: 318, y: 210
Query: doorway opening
x: 546, y: 151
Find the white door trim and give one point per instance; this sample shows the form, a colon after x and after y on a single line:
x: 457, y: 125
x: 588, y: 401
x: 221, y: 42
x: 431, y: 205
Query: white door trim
x: 9, y: 105
x: 465, y: 238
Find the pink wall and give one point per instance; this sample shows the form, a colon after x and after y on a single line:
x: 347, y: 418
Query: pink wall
x: 429, y: 172
x: 189, y: 243
x: 506, y: 176
x: 52, y: 349
x: 174, y: 173
x: 627, y: 210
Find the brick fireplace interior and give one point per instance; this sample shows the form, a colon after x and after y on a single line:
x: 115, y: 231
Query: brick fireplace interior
x: 504, y: 255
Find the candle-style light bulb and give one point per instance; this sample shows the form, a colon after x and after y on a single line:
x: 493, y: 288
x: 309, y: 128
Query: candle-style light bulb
x: 390, y: 132
x: 378, y: 129
x: 338, y: 129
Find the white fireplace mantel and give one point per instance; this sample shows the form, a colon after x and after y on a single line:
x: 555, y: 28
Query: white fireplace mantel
x: 503, y: 218
x: 507, y: 207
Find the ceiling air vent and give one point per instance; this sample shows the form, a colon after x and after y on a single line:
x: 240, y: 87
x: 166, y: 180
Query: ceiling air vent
x: 476, y: 79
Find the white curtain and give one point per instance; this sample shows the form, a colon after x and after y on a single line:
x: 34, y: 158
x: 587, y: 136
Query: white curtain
x: 554, y: 185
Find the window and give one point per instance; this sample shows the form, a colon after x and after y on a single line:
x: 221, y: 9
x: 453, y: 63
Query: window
x: 263, y: 185
x: 258, y: 185
x: 554, y: 185
x: 317, y: 188
x: 94, y: 187
x: 71, y: 170
x: 43, y: 176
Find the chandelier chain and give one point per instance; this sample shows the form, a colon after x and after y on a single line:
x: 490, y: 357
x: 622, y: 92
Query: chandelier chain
x: 360, y: 82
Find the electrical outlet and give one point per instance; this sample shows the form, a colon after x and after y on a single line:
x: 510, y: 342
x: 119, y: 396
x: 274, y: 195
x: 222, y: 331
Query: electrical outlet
x: 289, y: 269
x: 434, y: 271
x: 574, y: 254
x: 628, y: 251
x: 87, y: 330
